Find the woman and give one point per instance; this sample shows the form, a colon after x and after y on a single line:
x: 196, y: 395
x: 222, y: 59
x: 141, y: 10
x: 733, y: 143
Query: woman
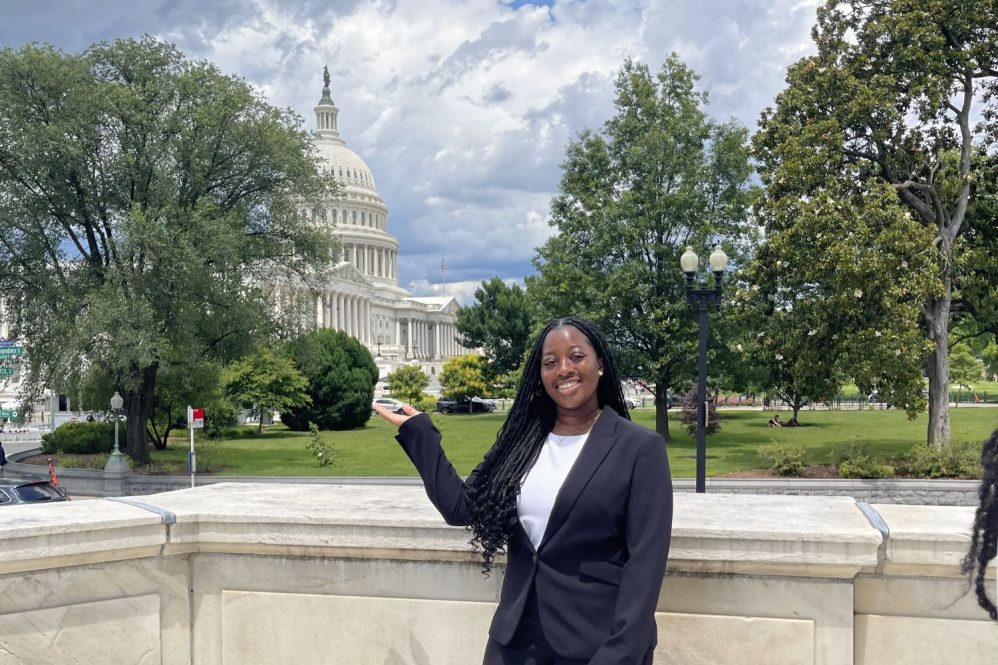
x: 984, y: 539
x: 577, y: 496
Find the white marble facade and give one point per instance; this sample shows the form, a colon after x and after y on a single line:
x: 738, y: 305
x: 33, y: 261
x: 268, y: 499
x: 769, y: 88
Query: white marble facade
x: 360, y: 293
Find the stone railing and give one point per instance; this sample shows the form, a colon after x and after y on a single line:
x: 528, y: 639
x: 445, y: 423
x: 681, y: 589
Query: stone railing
x: 89, y: 482
x: 261, y: 573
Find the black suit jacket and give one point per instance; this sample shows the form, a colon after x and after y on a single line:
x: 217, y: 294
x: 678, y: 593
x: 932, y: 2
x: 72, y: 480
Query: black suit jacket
x: 599, y: 568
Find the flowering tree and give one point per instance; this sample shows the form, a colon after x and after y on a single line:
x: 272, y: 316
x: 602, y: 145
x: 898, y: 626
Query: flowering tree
x: 894, y: 117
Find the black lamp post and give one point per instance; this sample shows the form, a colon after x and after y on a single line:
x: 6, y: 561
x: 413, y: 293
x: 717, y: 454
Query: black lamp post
x: 379, y: 343
x: 703, y: 299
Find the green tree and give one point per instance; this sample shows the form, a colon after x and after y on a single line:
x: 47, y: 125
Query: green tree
x: 500, y: 323
x: 965, y: 369
x: 268, y: 381
x: 464, y: 377
x: 660, y: 176
x: 882, y: 120
x: 142, y: 196
x: 180, y: 384
x: 990, y: 358
x: 789, y: 343
x: 407, y: 383
x: 341, y: 377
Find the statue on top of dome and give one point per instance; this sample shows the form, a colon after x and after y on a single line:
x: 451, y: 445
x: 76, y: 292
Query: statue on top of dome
x: 325, y: 75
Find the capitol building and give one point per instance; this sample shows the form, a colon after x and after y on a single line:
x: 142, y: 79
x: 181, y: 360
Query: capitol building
x: 360, y: 294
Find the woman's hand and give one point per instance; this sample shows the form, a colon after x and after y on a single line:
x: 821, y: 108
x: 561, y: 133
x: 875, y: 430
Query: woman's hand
x: 397, y: 419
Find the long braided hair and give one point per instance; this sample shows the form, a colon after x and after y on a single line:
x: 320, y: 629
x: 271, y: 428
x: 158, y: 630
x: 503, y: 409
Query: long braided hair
x: 519, y: 441
x: 984, y: 539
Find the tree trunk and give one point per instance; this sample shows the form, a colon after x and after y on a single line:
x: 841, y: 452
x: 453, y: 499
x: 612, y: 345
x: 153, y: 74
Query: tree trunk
x: 138, y: 408
x: 662, y: 408
x: 259, y: 427
x: 937, y: 313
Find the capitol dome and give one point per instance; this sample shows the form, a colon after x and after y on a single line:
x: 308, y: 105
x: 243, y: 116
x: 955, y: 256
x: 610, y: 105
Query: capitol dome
x: 358, y: 218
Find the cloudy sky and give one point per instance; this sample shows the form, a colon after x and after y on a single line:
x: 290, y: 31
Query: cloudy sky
x: 462, y: 108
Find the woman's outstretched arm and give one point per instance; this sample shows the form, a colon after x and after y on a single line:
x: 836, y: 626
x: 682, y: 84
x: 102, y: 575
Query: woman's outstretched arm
x: 421, y: 442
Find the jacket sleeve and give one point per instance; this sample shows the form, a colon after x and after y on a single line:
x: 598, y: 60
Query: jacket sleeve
x: 452, y: 496
x: 649, y: 530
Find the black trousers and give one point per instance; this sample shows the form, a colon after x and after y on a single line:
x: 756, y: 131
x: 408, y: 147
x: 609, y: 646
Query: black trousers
x: 528, y: 646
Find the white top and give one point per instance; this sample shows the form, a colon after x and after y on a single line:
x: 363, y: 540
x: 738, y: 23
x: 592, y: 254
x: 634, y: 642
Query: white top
x: 542, y: 483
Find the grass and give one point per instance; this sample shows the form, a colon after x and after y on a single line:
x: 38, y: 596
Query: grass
x: 372, y: 450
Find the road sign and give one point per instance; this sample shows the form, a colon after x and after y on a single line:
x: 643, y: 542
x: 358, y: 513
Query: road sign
x: 9, y: 351
x: 8, y: 413
x: 6, y: 371
x: 7, y: 342
x: 197, y: 418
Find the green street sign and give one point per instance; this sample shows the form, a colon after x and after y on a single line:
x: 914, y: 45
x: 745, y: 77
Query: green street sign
x: 11, y: 351
x: 6, y: 371
x: 8, y: 413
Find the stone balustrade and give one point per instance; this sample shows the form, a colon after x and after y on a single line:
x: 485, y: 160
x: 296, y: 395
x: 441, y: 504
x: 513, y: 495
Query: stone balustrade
x: 240, y: 573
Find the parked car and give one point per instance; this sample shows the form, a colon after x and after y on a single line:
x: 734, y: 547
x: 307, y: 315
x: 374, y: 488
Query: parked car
x: 464, y: 405
x: 632, y: 403
x: 19, y: 491
x: 392, y: 405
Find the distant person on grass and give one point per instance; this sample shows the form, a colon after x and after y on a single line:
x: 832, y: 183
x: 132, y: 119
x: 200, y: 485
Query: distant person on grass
x: 577, y: 496
x: 775, y: 421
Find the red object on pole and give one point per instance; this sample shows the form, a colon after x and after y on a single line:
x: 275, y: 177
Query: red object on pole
x: 54, y: 479
x: 197, y: 418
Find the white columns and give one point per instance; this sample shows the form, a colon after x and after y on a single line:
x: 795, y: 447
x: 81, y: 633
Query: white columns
x: 367, y: 321
x: 398, y: 332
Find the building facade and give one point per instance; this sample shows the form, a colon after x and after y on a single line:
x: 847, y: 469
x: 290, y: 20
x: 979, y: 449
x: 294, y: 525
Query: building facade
x: 360, y: 294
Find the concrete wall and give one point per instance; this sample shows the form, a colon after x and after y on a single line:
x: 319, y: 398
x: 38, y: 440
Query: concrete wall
x: 249, y: 573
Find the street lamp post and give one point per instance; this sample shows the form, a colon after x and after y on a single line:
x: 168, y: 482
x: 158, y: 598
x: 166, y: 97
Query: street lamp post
x: 703, y: 299
x: 379, y: 342
x: 415, y: 350
x: 116, y: 462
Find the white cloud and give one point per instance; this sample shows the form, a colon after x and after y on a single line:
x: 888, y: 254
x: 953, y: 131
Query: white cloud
x: 461, y: 108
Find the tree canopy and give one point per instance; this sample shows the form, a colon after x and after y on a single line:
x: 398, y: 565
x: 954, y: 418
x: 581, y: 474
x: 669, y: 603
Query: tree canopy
x: 144, y: 199
x: 341, y: 377
x: 407, y: 383
x: 660, y: 175
x: 499, y: 322
x: 880, y: 123
x: 267, y: 381
x: 464, y: 377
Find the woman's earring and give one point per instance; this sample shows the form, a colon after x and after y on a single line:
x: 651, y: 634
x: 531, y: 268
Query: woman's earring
x: 601, y: 372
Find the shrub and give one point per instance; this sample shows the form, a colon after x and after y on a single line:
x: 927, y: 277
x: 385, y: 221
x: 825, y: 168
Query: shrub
x: 783, y: 459
x: 860, y: 462
x: 426, y: 403
x: 961, y: 459
x: 688, y: 416
x: 324, y: 451
x: 81, y: 438
x: 341, y: 377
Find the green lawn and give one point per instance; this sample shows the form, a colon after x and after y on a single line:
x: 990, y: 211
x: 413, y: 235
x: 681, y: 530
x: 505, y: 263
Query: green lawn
x: 372, y: 450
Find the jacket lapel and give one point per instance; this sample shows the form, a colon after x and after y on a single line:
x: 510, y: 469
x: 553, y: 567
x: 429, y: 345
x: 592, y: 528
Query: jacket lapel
x: 601, y: 440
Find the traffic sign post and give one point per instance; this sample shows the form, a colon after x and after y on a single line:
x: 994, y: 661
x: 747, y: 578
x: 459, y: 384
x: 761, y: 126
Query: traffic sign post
x: 6, y: 371
x: 8, y: 413
x: 11, y: 351
x: 195, y: 420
